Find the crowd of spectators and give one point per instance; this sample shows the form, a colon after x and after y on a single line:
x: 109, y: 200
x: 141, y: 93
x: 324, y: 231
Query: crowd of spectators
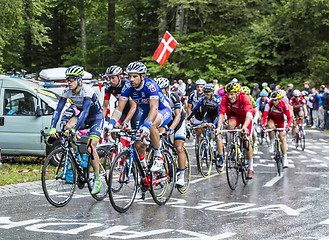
x: 317, y: 99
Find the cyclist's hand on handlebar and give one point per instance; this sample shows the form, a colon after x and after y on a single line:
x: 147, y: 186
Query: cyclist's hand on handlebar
x: 52, y: 132
x: 245, y: 130
x: 67, y: 132
x: 287, y: 129
x: 145, y: 132
x: 217, y: 131
x: 171, y: 131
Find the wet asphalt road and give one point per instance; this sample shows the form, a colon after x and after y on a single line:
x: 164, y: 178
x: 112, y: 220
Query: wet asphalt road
x: 294, y: 206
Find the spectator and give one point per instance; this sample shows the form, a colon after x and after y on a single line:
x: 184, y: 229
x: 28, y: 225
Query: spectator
x: 315, y: 99
x: 215, y: 82
x: 326, y: 108
x: 272, y: 87
x: 190, y: 86
x: 182, y: 86
x: 277, y: 87
x: 307, y: 87
x: 290, y: 90
x: 321, y: 109
x: 255, y: 91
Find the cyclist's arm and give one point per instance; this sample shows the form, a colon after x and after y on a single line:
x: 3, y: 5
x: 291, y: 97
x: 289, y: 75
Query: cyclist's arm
x: 57, y: 112
x: 287, y: 113
x: 105, y: 107
x: 194, y: 110
x: 178, y: 115
x: 118, y: 111
x: 84, y: 113
x: 133, y: 107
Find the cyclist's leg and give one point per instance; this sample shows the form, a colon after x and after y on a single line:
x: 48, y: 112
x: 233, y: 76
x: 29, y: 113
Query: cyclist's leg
x: 94, y: 136
x: 271, y: 125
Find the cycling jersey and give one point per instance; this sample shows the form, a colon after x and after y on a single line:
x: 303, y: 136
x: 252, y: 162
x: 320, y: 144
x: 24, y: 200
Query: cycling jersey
x: 149, y: 90
x: 276, y: 113
x: 210, y: 107
x: 240, y: 108
x: 194, y: 99
x: 260, y: 104
x: 297, y: 106
x: 116, y: 92
x: 142, y: 96
x: 87, y: 102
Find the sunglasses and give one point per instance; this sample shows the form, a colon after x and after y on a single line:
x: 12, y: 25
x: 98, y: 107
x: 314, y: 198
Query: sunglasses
x: 275, y: 100
x: 208, y: 93
x: 71, y: 79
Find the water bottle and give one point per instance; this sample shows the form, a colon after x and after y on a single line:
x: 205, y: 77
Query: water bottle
x: 84, y: 161
x: 142, y: 161
x: 78, y: 156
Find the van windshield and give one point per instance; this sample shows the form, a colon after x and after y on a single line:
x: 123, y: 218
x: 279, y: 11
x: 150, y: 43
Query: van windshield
x: 47, y: 93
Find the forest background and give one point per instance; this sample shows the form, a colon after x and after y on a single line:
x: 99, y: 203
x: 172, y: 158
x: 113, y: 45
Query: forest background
x: 274, y: 41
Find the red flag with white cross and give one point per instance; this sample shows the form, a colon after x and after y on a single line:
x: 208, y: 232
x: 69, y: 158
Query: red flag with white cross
x: 166, y: 46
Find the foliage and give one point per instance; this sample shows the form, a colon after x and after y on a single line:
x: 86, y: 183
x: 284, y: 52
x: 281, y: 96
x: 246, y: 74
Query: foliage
x: 278, y: 41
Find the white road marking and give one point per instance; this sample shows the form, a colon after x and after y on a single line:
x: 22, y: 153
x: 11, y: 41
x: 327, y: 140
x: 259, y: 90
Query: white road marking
x: 309, y: 151
x: 273, y: 181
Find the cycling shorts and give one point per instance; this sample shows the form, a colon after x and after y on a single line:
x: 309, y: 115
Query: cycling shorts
x: 95, y: 123
x: 279, y: 123
x: 296, y: 113
x: 134, y: 120
x: 180, y: 131
x: 240, y: 120
x: 164, y: 114
x: 209, y: 118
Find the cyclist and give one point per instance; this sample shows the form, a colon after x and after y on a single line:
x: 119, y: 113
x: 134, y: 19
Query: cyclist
x: 261, y: 103
x: 86, y: 100
x: 275, y: 110
x: 246, y: 90
x: 210, y: 106
x: 131, y: 111
x: 192, y: 101
x: 176, y: 126
x: 155, y: 105
x: 298, y: 104
x: 239, y: 110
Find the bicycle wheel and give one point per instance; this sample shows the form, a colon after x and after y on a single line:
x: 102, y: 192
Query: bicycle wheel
x: 196, y: 150
x: 205, y: 158
x: 163, y: 181
x: 277, y: 156
x: 243, y: 167
x: 187, y: 174
x: 232, y: 169
x: 302, y: 139
x: 297, y: 140
x: 122, y: 182
x: 58, y: 182
x: 104, y: 169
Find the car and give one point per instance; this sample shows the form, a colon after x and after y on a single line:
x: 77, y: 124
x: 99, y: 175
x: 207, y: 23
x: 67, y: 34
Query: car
x: 26, y: 109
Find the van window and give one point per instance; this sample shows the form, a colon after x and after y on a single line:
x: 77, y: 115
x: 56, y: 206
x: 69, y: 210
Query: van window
x: 46, y: 109
x: 19, y: 103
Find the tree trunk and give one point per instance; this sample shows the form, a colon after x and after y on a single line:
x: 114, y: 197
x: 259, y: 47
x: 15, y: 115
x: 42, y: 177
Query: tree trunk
x: 27, y: 57
x: 163, y: 21
x: 179, y: 19
x: 81, y: 7
x: 111, y: 23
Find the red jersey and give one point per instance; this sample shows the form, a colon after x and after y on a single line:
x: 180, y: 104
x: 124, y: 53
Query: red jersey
x: 240, y: 108
x: 277, y: 112
x: 297, y: 105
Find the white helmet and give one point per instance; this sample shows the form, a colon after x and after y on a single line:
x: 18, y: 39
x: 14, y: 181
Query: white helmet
x: 136, y: 67
x: 163, y: 82
x: 113, y: 71
x: 296, y: 93
x: 200, y: 82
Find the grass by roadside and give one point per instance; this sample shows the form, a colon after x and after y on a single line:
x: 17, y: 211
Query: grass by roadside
x: 9, y: 170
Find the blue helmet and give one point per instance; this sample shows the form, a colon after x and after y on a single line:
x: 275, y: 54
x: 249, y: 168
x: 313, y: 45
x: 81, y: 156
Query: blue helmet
x: 263, y: 93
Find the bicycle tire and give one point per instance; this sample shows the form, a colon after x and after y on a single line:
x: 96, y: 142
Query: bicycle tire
x: 104, y: 169
x: 163, y: 181
x: 243, y: 167
x: 196, y: 150
x: 187, y: 174
x: 205, y: 158
x: 58, y: 191
x: 302, y: 140
x: 297, y: 139
x: 232, y: 170
x: 277, y: 157
x: 122, y: 192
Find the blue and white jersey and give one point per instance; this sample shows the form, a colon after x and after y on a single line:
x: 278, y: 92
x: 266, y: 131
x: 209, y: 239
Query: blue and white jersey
x: 77, y: 99
x: 210, y: 106
x: 142, y: 96
x: 260, y: 104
